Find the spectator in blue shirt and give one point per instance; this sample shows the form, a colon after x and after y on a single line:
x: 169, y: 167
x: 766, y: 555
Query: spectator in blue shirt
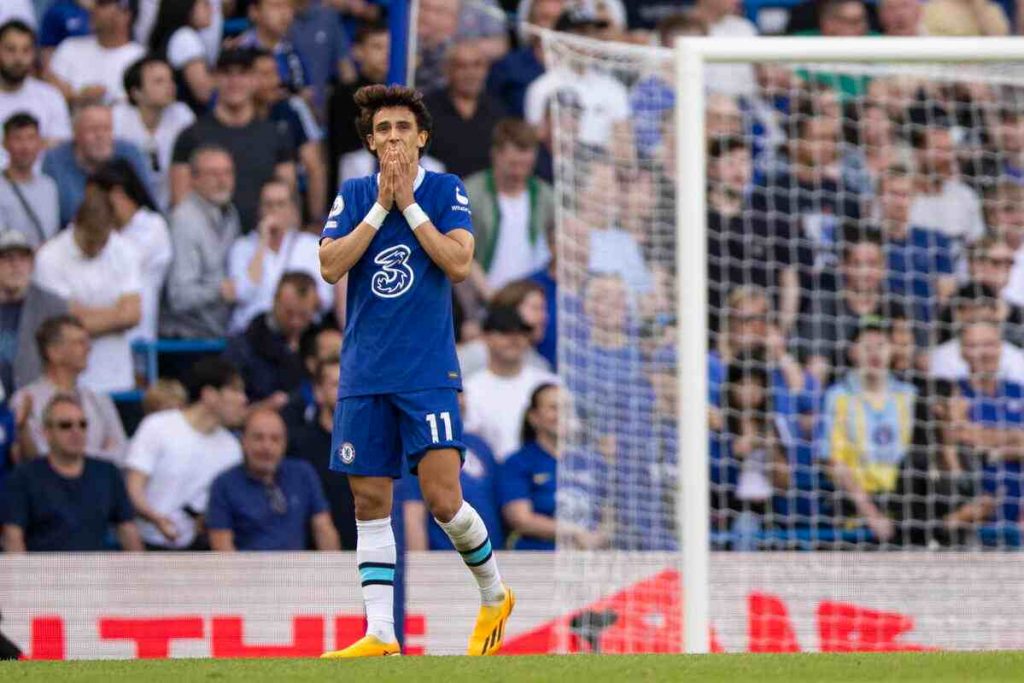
x: 919, y: 261
x: 993, y: 425
x: 67, y: 500
x: 71, y: 163
x: 479, y: 480
x: 546, y: 278
x: 529, y: 482
x: 268, y: 502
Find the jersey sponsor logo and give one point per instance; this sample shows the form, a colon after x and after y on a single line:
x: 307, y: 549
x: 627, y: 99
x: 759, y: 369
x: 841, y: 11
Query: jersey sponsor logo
x: 337, y: 207
x: 461, y: 198
x: 395, y: 276
x: 347, y: 453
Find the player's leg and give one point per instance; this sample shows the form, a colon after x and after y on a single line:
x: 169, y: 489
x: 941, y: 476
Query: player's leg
x: 432, y: 439
x: 365, y: 447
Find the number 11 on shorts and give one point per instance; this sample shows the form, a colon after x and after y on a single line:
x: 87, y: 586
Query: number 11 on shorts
x: 446, y: 418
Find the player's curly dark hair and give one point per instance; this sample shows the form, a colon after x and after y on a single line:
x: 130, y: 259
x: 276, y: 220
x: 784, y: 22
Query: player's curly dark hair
x: 372, y: 98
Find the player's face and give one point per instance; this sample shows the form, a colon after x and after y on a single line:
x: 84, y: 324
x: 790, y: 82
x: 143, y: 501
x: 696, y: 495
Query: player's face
x: 263, y: 443
x: 396, y: 127
x: 17, y: 53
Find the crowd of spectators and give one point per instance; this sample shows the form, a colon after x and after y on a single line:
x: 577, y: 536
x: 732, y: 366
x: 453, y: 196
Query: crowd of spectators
x: 168, y: 165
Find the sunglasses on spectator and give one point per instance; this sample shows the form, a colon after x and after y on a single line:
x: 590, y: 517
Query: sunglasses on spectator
x: 66, y: 425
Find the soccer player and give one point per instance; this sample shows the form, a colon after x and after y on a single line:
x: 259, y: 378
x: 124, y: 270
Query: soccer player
x: 402, y: 237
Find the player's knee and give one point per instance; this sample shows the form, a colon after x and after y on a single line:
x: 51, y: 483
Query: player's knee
x: 443, y: 503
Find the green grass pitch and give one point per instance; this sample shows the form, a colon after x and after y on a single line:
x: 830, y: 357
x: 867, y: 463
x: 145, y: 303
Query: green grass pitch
x: 926, y: 667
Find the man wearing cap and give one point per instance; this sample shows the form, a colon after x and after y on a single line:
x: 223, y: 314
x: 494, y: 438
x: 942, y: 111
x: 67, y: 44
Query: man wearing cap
x: 90, y: 68
x: 23, y: 308
x: 865, y: 430
x: 497, y: 396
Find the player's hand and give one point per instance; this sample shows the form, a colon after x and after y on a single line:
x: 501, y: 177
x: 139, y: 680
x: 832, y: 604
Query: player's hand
x: 166, y: 527
x: 405, y: 179
x: 386, y: 186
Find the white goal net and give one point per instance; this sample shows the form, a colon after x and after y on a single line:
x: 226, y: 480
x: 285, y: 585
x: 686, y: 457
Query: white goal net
x: 865, y: 283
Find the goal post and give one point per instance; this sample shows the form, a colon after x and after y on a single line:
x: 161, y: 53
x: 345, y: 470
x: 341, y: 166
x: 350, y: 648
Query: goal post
x: 691, y: 56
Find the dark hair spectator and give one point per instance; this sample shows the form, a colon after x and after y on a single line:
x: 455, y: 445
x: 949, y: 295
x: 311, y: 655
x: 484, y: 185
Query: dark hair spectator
x: 63, y: 345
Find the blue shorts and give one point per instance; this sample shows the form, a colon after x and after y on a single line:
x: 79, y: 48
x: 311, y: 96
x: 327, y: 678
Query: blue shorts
x: 372, y: 434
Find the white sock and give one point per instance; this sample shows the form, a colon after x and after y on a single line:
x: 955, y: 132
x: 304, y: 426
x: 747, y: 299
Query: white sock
x: 375, y: 553
x: 469, y: 536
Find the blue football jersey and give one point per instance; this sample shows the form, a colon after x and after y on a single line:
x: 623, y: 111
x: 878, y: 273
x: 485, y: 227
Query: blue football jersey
x: 399, y: 333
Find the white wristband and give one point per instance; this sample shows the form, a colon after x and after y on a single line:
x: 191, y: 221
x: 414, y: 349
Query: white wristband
x: 376, y: 216
x: 415, y: 216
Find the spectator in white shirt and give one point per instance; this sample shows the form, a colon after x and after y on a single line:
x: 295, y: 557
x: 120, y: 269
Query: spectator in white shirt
x: 497, y: 396
x: 98, y: 271
x: 602, y: 101
x: 724, y: 20
x: 64, y: 348
x: 29, y: 201
x: 257, y: 261
x: 176, y: 38
x: 136, y: 217
x: 152, y: 119
x: 22, y: 92
x: 974, y: 303
x: 91, y: 68
x: 513, y: 209
x: 944, y: 202
x: 175, y: 455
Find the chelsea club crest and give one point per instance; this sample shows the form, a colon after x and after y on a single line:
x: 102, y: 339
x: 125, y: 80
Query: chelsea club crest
x: 347, y: 453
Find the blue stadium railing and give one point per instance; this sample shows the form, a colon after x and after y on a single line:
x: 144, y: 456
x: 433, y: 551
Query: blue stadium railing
x: 150, y: 353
